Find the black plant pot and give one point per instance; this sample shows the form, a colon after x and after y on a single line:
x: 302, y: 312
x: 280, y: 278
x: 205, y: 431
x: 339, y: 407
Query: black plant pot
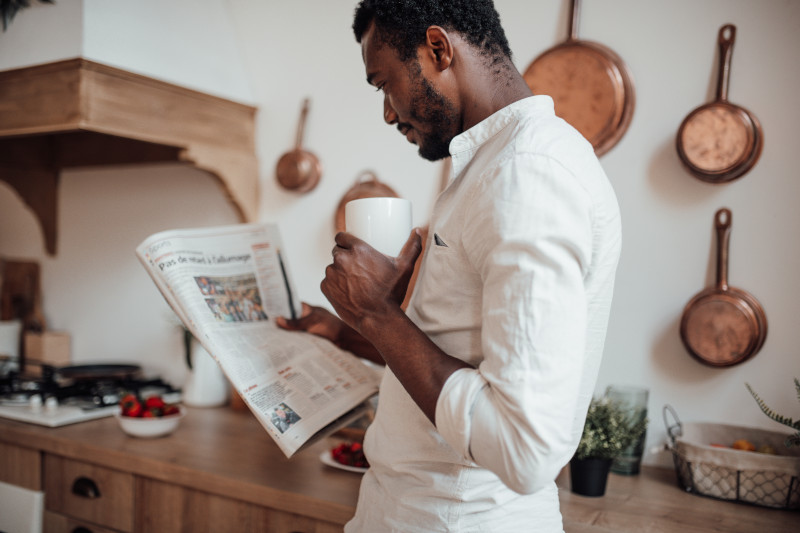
x: 588, y: 476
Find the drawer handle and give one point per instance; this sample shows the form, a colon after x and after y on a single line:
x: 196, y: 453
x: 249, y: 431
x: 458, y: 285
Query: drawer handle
x: 85, y: 488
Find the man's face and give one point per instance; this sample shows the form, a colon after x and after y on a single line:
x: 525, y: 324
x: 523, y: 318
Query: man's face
x: 424, y: 115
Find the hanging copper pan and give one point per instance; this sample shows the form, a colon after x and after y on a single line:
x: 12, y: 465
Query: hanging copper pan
x: 719, y: 142
x: 591, y: 86
x: 367, y: 185
x: 299, y: 170
x: 723, y: 325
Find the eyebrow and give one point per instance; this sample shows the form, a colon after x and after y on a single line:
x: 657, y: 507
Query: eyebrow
x: 370, y: 77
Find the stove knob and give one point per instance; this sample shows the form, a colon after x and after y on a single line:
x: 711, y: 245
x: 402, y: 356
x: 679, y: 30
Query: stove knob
x: 35, y: 403
x: 51, y: 404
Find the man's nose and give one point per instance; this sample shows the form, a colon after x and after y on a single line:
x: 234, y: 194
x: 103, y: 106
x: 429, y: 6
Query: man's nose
x: 389, y: 114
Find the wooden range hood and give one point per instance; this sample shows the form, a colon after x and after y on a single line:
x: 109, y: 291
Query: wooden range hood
x: 78, y: 113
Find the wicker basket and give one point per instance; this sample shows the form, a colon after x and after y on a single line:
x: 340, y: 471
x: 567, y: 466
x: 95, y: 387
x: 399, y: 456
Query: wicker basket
x: 735, y: 475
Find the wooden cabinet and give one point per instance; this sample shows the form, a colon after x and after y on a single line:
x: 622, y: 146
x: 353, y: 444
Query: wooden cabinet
x: 161, y: 507
x: 90, y: 493
x: 218, y: 472
x: 20, y: 466
x: 88, y: 498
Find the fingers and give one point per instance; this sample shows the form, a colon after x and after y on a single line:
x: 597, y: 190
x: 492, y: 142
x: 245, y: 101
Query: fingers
x: 412, y: 248
x: 346, y: 240
x: 298, y: 324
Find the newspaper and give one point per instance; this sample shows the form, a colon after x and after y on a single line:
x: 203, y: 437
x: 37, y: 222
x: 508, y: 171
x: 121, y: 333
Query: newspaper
x: 227, y: 285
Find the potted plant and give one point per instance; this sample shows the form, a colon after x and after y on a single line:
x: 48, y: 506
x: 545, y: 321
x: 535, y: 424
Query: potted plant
x: 609, y: 429
x: 791, y: 440
x: 9, y: 8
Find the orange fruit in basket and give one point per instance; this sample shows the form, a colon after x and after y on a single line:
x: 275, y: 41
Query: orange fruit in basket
x: 743, y: 444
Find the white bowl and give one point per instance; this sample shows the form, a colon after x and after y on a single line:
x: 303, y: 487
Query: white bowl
x: 150, y: 427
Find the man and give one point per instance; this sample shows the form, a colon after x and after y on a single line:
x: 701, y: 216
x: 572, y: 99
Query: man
x: 490, y: 373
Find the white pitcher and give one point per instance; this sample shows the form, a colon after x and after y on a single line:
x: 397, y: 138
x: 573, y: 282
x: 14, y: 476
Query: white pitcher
x: 206, y: 385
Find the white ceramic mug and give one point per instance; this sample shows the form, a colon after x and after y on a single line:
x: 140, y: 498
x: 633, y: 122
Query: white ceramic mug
x: 383, y: 223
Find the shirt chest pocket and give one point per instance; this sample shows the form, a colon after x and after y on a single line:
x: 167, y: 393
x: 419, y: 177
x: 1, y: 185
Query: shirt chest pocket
x: 447, y: 276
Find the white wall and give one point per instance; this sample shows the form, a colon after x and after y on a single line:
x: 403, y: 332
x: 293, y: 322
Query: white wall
x: 188, y: 42
x: 290, y: 50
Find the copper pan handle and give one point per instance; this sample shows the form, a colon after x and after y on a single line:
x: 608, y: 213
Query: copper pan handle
x: 722, y: 222
x: 727, y: 36
x: 574, y: 10
x: 301, y: 126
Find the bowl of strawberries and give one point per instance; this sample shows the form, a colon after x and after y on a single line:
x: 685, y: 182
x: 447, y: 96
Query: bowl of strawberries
x: 148, y: 417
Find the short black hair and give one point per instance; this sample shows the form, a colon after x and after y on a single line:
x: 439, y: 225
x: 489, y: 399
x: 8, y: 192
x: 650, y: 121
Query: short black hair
x: 403, y: 23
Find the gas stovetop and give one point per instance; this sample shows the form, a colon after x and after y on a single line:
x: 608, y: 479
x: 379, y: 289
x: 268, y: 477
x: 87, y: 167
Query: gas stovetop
x: 48, y: 401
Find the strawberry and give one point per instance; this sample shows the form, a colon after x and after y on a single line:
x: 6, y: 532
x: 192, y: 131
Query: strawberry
x: 170, y: 410
x: 131, y: 406
x: 154, y: 402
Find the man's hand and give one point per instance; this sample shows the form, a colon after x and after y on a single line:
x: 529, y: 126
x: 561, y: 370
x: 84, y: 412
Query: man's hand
x: 316, y: 320
x: 363, y: 282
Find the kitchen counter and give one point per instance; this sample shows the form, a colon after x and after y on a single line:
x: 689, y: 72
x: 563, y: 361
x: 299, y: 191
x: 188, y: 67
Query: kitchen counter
x: 225, y: 452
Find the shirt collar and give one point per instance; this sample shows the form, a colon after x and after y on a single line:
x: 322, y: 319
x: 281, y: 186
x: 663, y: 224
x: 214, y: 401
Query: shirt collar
x: 465, y: 144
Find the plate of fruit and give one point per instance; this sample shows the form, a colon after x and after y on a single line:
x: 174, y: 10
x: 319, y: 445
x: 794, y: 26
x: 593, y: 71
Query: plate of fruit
x: 148, y: 417
x: 346, y: 456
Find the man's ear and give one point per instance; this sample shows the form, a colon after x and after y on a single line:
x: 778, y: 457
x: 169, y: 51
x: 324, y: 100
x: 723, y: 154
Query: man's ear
x: 439, y: 47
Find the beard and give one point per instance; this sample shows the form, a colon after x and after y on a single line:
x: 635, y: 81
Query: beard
x: 438, y: 114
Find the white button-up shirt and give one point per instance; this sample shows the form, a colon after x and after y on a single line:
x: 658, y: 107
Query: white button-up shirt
x: 516, y: 280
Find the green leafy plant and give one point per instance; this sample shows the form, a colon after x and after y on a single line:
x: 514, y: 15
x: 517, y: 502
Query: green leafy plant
x: 609, y: 429
x: 9, y: 8
x: 791, y: 440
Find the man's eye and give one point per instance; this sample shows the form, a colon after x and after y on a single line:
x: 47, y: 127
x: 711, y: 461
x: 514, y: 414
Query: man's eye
x: 378, y: 88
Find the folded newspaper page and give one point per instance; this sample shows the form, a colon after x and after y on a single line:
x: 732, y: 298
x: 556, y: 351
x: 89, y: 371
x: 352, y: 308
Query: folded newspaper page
x: 228, y: 284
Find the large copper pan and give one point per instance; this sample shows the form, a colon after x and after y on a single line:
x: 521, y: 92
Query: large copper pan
x: 590, y: 84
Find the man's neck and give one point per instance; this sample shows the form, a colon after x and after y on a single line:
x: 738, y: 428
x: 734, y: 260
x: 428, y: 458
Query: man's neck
x: 501, y: 85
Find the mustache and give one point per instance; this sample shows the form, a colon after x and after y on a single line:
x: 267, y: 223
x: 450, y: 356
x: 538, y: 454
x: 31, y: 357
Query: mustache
x: 403, y: 127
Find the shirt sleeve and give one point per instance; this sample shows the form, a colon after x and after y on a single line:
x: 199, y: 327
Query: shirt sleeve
x: 529, y: 236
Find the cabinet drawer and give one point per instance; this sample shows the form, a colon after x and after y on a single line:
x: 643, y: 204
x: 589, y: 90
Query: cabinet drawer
x: 159, y: 507
x: 96, y: 494
x: 57, y: 523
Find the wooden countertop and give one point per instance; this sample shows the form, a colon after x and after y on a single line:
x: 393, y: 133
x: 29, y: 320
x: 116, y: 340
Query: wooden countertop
x: 652, y: 502
x: 218, y: 450
x: 226, y: 452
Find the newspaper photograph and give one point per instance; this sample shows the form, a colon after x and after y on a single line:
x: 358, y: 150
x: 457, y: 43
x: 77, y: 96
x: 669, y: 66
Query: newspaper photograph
x: 227, y: 285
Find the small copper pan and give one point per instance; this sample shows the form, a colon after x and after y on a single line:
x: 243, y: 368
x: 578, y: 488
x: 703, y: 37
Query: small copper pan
x: 299, y: 170
x: 719, y: 141
x: 723, y: 325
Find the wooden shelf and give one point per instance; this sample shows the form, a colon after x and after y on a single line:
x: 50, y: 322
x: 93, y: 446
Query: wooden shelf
x: 78, y: 113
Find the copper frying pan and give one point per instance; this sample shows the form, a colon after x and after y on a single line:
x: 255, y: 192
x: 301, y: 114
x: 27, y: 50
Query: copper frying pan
x: 719, y: 142
x: 590, y: 84
x: 723, y: 325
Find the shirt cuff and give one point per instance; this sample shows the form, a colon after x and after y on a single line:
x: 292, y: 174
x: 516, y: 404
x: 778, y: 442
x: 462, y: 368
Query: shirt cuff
x: 455, y: 406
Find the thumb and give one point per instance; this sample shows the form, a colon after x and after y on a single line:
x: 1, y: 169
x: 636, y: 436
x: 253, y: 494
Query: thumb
x: 411, y: 249
x: 297, y: 324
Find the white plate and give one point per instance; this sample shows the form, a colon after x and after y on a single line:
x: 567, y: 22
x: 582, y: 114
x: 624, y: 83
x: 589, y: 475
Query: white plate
x: 326, y: 458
